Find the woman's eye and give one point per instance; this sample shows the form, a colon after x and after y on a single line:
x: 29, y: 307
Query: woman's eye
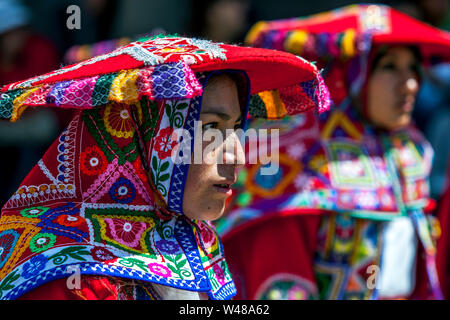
x: 388, y: 66
x: 210, y: 125
x: 415, y: 68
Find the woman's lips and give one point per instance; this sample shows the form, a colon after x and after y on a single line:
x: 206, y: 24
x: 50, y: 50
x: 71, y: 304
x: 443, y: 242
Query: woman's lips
x: 223, y: 188
x: 407, y: 105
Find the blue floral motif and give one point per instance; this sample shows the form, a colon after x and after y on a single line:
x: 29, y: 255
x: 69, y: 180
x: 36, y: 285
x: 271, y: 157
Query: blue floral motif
x: 167, y: 246
x: 122, y: 191
x: 8, y: 241
x: 50, y: 222
x: 34, y: 266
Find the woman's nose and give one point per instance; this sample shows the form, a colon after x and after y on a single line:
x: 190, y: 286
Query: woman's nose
x: 410, y: 83
x: 234, y: 151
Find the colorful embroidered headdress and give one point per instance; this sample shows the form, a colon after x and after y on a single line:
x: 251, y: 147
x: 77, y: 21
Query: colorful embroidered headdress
x: 339, y: 35
x: 107, y: 197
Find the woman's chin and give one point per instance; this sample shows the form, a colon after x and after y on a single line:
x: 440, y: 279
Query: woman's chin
x: 398, y: 123
x: 402, y: 121
x: 214, y: 215
x: 210, y: 213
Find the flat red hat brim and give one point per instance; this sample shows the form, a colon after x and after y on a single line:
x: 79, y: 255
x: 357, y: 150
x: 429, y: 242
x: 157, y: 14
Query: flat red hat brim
x: 163, y: 68
x: 266, y: 69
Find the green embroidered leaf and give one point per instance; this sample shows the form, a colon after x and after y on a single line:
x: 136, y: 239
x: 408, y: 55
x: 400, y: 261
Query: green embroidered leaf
x: 174, y: 270
x: 155, y: 163
x: 180, y: 261
x: 180, y: 264
x: 165, y: 166
x: 131, y: 262
x: 168, y: 110
x: 182, y: 106
x: 141, y: 264
x: 178, y: 257
x: 7, y: 282
x: 72, y: 252
x: 164, y: 177
x: 170, y: 258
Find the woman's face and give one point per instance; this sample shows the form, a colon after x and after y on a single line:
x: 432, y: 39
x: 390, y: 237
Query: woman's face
x: 392, y: 89
x: 208, y: 184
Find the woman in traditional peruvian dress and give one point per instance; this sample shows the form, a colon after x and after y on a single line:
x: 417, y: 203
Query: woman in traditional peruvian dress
x: 116, y: 209
x: 347, y: 215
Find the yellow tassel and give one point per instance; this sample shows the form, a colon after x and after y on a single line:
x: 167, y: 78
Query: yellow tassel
x: 274, y: 106
x: 254, y: 32
x: 18, y: 106
x: 123, y: 88
x: 348, y: 44
x: 295, y: 42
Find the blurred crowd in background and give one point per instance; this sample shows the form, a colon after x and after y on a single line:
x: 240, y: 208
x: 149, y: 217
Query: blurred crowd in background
x: 34, y: 39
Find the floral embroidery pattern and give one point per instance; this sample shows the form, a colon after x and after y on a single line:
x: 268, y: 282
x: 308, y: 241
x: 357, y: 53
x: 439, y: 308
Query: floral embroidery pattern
x: 220, y: 276
x: 42, y: 241
x: 34, y: 266
x: 70, y: 220
x: 8, y: 240
x: 174, y: 111
x: 126, y: 232
x: 122, y: 191
x: 118, y: 121
x: 165, y: 142
x: 33, y: 212
x: 102, y: 254
x: 160, y: 270
x: 92, y: 161
x: 189, y: 50
x: 207, y: 235
x: 166, y: 246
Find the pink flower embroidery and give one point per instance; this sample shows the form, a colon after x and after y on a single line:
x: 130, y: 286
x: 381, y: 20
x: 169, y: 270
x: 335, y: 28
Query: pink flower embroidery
x: 159, y: 270
x: 220, y: 276
x: 207, y: 235
x: 126, y: 232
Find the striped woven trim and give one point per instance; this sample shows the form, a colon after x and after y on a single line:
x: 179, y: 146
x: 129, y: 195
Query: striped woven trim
x: 292, y: 100
x: 167, y: 81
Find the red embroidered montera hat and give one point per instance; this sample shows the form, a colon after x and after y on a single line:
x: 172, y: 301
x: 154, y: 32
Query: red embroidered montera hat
x: 333, y: 38
x: 341, y: 30
x: 132, y: 71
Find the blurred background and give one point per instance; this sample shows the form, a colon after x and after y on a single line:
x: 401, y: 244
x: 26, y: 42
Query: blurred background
x: 35, y: 38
